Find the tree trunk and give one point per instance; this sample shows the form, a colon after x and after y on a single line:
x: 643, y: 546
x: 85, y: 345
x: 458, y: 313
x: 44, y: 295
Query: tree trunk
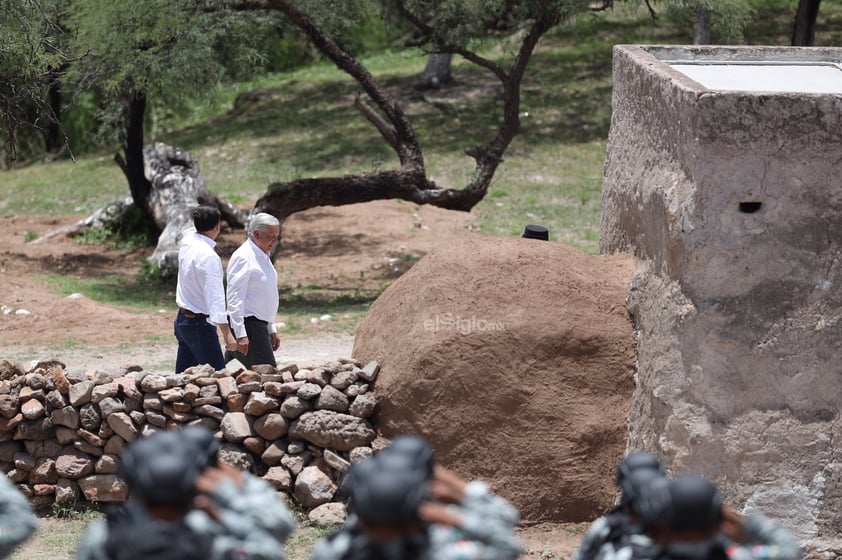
x: 410, y: 182
x: 701, y: 27
x: 132, y: 164
x: 804, y: 30
x: 53, y: 137
x: 175, y: 188
x: 436, y: 73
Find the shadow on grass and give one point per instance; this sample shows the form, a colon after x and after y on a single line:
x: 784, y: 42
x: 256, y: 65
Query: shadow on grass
x: 118, y: 289
x: 320, y: 300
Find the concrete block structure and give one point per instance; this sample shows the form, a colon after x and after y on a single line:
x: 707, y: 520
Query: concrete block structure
x: 724, y: 176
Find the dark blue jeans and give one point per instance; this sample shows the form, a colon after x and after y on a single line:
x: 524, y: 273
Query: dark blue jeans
x: 198, y: 343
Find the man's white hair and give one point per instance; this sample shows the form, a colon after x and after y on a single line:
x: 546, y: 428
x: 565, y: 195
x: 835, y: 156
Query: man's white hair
x: 261, y: 221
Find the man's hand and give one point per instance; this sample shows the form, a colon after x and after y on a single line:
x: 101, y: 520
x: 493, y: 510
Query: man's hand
x: 212, y: 477
x: 276, y: 340
x: 243, y: 345
x: 434, y: 512
x: 446, y: 486
x: 732, y: 525
x: 208, y: 481
x: 230, y: 342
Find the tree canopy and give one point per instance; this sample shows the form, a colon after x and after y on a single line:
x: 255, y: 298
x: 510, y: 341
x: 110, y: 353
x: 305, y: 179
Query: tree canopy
x: 29, y: 52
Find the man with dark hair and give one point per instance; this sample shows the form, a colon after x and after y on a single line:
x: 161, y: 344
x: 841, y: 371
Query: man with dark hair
x: 185, y: 505
x: 686, y: 519
x: 404, y: 507
x: 200, y: 295
x: 17, y: 522
x: 253, y: 294
x: 614, y: 529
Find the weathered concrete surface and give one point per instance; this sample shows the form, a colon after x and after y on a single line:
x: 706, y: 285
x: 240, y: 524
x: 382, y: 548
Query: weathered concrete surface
x: 738, y: 313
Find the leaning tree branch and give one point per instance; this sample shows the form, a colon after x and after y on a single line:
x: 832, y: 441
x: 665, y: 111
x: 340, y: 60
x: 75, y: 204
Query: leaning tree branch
x: 410, y: 181
x: 489, y: 157
x: 379, y: 122
x: 409, y: 150
x: 283, y: 199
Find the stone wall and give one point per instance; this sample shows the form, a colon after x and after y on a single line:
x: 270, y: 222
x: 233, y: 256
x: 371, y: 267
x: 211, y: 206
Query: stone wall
x: 733, y: 202
x: 61, y: 433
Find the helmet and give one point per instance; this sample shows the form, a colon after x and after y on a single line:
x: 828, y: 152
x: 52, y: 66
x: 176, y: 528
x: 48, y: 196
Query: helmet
x: 204, y: 443
x: 696, y: 504
x: 653, y: 503
x: 635, y: 485
x: 382, y: 494
x: 414, y: 451
x: 163, y: 468
x: 635, y: 461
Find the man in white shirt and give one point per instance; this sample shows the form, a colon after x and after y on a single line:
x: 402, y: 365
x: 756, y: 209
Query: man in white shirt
x: 200, y: 295
x: 253, y: 294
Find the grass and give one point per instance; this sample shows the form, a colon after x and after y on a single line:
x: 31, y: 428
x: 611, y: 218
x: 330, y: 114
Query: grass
x: 60, y: 533
x: 303, y: 124
x: 312, y: 310
x: 115, y: 289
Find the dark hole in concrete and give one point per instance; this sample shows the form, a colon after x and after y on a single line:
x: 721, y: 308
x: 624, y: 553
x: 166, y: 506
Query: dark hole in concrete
x: 750, y: 207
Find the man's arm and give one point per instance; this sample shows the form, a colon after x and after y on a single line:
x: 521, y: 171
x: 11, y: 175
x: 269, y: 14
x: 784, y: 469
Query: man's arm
x: 17, y: 522
x: 246, y: 498
x: 763, y: 538
x: 238, y: 277
x: 594, y: 538
x: 92, y: 546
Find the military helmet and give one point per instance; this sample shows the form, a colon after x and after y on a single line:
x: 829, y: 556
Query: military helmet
x: 695, y: 504
x: 382, y: 494
x: 413, y: 450
x: 635, y: 485
x: 163, y: 468
x: 636, y: 461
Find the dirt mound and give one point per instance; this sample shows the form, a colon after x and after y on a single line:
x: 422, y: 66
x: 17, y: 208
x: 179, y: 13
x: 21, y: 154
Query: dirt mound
x: 515, y: 357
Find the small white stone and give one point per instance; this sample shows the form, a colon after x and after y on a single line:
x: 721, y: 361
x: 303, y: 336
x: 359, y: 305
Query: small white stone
x: 325, y: 318
x: 22, y: 312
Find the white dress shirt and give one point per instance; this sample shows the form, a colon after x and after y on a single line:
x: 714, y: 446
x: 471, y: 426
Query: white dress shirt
x: 200, y: 288
x: 252, y: 288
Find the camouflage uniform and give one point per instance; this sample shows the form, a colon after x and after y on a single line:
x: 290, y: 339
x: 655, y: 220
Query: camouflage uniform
x: 609, y: 528
x: 17, y: 522
x: 768, y: 540
x: 252, y: 524
x: 487, y: 532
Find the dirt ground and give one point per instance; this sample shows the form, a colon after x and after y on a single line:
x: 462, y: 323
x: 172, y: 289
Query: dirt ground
x: 363, y: 247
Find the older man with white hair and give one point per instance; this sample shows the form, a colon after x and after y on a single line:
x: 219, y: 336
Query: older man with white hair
x: 253, y: 294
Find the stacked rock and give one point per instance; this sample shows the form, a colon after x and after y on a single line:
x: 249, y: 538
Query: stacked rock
x: 61, y: 433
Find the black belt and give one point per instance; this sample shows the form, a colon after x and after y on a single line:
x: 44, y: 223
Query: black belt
x: 190, y: 314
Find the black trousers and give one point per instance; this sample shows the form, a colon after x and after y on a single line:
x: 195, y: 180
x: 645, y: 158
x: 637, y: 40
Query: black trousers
x: 260, y: 345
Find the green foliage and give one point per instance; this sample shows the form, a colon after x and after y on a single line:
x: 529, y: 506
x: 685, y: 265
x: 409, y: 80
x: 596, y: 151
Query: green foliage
x: 460, y: 22
x: 129, y: 290
x: 150, y: 274
x: 284, y: 49
x: 28, y: 53
x: 76, y: 511
x: 172, y: 51
x: 728, y: 18
x: 130, y: 230
x: 30, y: 236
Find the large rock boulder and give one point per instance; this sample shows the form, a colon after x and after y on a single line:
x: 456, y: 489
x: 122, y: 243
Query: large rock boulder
x: 515, y: 358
